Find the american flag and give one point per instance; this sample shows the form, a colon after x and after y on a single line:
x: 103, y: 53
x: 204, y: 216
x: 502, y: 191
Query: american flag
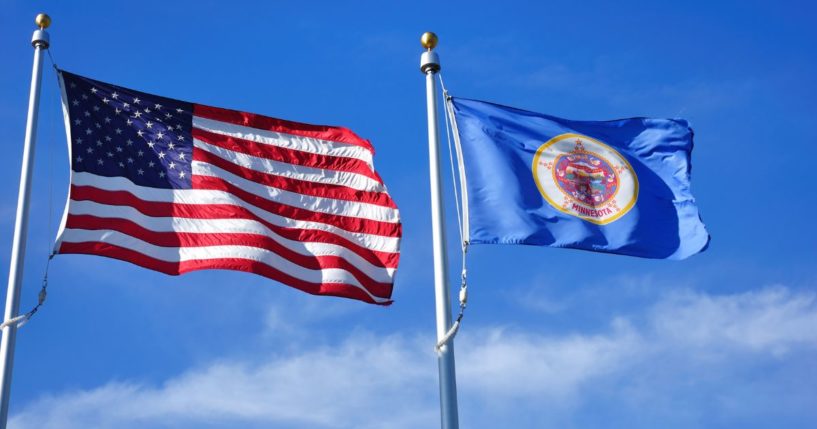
x: 175, y: 187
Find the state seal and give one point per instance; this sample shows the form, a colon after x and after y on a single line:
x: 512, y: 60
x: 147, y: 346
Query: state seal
x: 586, y: 178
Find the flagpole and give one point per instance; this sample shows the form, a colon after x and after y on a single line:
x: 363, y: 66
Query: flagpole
x: 40, y: 41
x: 430, y: 65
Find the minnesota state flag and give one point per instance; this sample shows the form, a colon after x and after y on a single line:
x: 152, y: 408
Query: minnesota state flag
x: 619, y: 186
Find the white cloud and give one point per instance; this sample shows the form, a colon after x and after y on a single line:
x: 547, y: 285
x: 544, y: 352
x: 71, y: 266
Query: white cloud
x: 771, y: 320
x: 357, y: 384
x: 690, y: 348
x: 498, y: 363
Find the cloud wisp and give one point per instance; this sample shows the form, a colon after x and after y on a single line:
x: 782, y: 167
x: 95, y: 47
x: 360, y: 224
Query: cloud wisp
x: 688, y: 348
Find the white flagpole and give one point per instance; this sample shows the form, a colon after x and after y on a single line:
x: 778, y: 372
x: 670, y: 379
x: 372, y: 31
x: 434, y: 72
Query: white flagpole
x: 430, y: 65
x: 18, y: 248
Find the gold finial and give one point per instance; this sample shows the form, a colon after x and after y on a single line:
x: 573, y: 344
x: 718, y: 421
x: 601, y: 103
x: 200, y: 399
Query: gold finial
x: 43, y: 21
x: 428, y: 40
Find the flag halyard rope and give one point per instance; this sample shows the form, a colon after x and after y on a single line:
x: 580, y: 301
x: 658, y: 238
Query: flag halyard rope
x: 22, y: 319
x: 463, y: 294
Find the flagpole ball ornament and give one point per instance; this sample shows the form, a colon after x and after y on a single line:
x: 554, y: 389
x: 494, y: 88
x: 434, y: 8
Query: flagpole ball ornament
x: 43, y: 21
x: 40, y: 37
x: 429, y: 61
x: 429, y: 40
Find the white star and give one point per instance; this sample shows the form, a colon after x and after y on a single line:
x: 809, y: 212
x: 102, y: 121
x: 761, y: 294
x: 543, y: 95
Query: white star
x: 119, y: 148
x: 147, y: 109
x: 97, y: 125
x: 96, y: 108
x: 98, y: 143
x: 129, y: 142
x: 107, y: 138
x: 84, y: 97
x: 136, y: 100
x: 162, y: 174
x: 151, y: 144
x: 179, y: 110
x: 110, y: 154
x: 75, y: 102
x: 140, y: 133
x: 140, y: 153
x: 107, y: 120
x: 121, y: 164
x: 160, y: 135
x: 181, y: 175
x: 129, y: 122
x: 118, y: 111
x: 151, y: 164
x: 115, y: 95
x: 140, y: 171
x: 178, y: 126
x: 130, y: 160
x: 77, y: 121
x: 79, y: 159
x: 118, y: 131
x: 171, y: 146
x: 105, y: 100
x: 125, y: 106
x: 181, y: 156
x: 89, y: 150
x: 137, y: 114
x: 100, y: 161
x: 149, y: 124
x: 157, y: 106
x: 161, y: 155
x: 168, y: 115
x: 79, y: 140
x: 180, y: 138
x: 88, y: 131
x: 94, y: 90
x: 172, y: 165
x: 87, y: 113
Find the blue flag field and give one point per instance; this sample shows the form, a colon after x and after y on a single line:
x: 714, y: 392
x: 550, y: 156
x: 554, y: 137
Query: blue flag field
x: 620, y: 186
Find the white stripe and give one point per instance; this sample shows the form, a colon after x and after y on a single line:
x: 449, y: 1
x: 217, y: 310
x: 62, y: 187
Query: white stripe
x: 204, y: 197
x: 289, y: 141
x: 300, y: 172
x: 316, y: 204
x: 217, y: 226
x: 182, y: 254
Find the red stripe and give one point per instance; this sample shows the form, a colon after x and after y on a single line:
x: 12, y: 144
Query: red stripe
x: 304, y: 187
x: 322, y: 132
x: 176, y: 268
x: 228, y: 211
x: 290, y: 156
x: 349, y: 223
x: 189, y: 239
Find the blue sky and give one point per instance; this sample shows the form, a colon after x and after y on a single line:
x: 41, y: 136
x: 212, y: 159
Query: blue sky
x: 552, y: 338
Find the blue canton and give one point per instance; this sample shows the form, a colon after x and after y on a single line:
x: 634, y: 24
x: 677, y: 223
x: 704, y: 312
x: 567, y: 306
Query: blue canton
x: 117, y: 131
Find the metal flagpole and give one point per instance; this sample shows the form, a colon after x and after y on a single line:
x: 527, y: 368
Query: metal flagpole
x: 18, y: 248
x: 430, y: 65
